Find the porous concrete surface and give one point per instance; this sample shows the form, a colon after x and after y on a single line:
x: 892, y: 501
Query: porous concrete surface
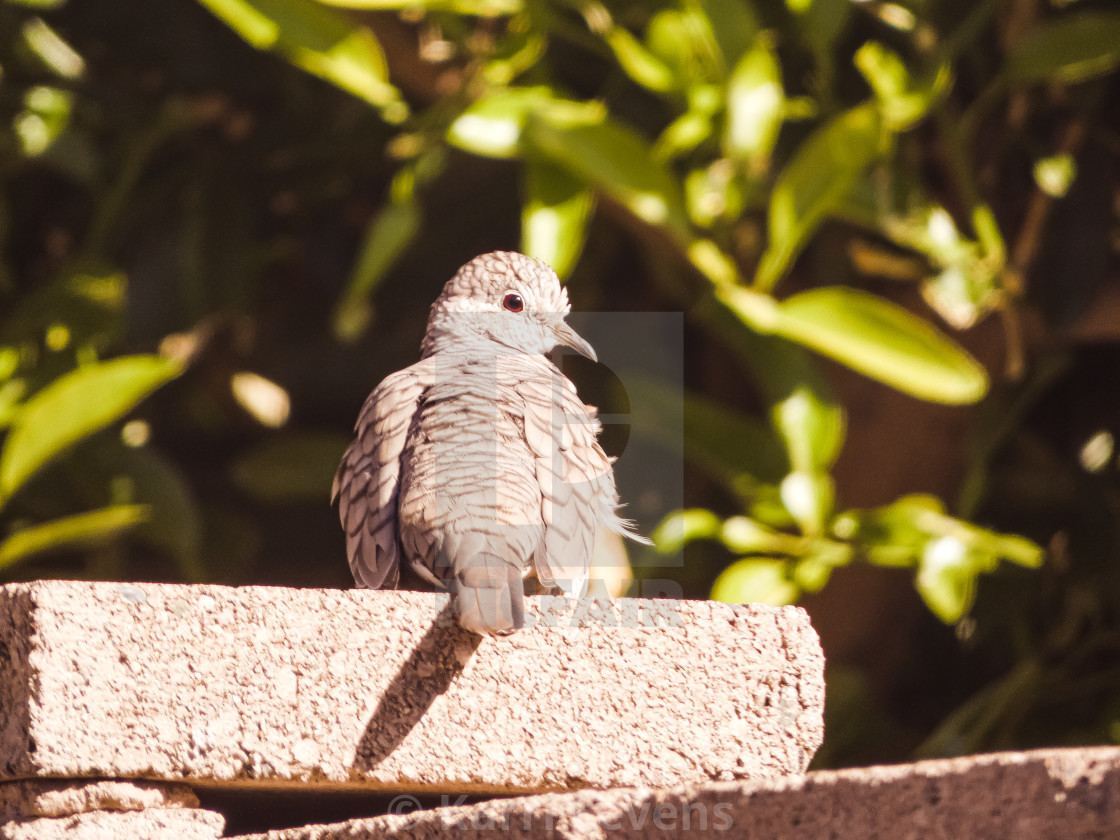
x: 58, y: 798
x: 383, y: 690
x: 1067, y: 794
x: 154, y: 824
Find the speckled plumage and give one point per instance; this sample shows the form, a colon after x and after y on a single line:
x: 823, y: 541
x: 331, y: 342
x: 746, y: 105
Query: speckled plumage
x: 480, y: 462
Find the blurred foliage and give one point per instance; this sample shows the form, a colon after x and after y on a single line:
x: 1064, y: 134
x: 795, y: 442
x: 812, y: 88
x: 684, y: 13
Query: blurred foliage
x: 221, y: 222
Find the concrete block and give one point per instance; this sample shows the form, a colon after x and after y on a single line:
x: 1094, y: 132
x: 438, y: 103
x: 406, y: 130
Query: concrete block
x: 1040, y: 795
x: 154, y: 824
x: 56, y: 798
x: 382, y: 690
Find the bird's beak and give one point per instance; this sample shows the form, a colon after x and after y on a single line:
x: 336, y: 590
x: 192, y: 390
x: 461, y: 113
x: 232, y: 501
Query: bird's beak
x: 567, y: 337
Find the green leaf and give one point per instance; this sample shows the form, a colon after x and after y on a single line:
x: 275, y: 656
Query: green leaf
x: 813, y: 569
x: 812, y: 426
x: 319, y: 40
x: 292, y: 468
x: 73, y: 407
x: 821, y: 174
x: 51, y: 49
x: 733, y: 25
x: 682, y: 527
x: 755, y: 581
x: 713, y: 192
x: 885, y: 342
x: 1071, y: 48
x: 683, y: 40
x: 871, y: 335
x: 554, y: 215
x: 11, y: 392
x: 388, y: 235
x: 639, y: 63
x: 491, y: 126
x: 45, y: 117
x: 755, y: 108
x: 900, y: 102
x: 946, y: 578
x: 616, y: 160
x: 744, y: 535
x: 808, y: 496
x: 82, y: 530
x: 1054, y: 175
x: 692, y: 127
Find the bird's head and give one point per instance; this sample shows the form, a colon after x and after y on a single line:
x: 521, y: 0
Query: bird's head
x: 507, y: 298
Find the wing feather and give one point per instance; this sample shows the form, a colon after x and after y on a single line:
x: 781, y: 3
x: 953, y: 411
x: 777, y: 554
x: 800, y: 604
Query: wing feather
x: 575, y: 476
x: 367, y: 483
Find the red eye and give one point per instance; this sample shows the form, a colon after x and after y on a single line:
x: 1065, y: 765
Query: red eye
x: 513, y: 302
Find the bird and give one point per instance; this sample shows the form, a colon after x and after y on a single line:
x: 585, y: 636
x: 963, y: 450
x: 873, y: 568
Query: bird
x: 479, y: 465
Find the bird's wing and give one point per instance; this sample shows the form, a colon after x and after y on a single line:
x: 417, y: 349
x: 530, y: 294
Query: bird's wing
x: 575, y: 477
x: 368, y: 479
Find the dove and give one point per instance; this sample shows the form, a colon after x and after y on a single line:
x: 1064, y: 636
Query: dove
x: 479, y: 465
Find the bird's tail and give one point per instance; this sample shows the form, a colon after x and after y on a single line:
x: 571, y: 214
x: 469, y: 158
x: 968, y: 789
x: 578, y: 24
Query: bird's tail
x: 486, y: 589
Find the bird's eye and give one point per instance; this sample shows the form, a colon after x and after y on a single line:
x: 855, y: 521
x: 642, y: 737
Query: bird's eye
x: 513, y: 302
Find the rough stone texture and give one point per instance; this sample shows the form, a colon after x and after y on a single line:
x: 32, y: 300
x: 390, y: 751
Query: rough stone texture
x: 384, y: 690
x: 41, y: 798
x: 1042, y: 795
x: 154, y: 824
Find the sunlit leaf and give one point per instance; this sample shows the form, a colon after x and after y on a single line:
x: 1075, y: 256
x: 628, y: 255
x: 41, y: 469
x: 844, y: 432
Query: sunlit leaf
x: 1071, y: 48
x: 9, y: 362
x: 618, y: 161
x: 388, y: 235
x: 755, y: 581
x: 322, y: 41
x: 491, y: 126
x: 902, y: 103
x: 712, y: 192
x: 682, y: 527
x: 683, y: 40
x: 44, y: 118
x: 821, y: 173
x: 554, y: 215
x: 638, y: 62
x: 812, y: 427
x: 755, y: 107
x: 83, y: 530
x: 52, y: 50
x: 808, y: 496
x: 871, y: 335
x: 11, y: 392
x: 744, y: 535
x: 813, y: 569
x: 1054, y: 175
x: 884, y: 70
x: 884, y: 341
x: 946, y: 579
x: 73, y: 407
x: 515, y: 55
x: 265, y: 401
x: 692, y: 127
